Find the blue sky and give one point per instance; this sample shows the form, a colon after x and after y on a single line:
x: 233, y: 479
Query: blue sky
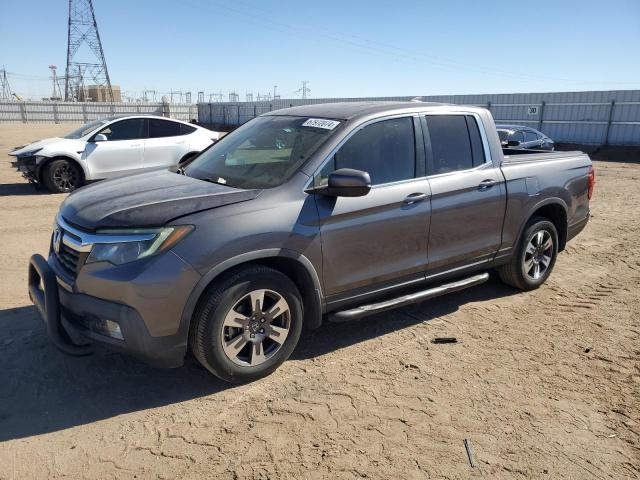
x: 344, y: 48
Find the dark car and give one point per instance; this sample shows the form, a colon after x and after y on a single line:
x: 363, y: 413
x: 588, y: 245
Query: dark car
x: 332, y: 211
x: 526, y: 138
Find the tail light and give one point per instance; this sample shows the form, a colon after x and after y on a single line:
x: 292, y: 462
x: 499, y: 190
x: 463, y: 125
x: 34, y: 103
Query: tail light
x: 592, y: 181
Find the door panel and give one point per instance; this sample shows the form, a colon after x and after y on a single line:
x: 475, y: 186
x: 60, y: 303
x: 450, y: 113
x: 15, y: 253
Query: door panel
x: 164, y: 152
x: 121, y: 153
x: 166, y: 144
x: 467, y: 193
x: 376, y: 238
x: 466, y: 217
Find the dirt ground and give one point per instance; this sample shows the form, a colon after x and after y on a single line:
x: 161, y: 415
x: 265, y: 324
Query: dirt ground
x: 545, y: 384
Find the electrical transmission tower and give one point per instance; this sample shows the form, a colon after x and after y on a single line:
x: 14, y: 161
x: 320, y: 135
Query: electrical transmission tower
x: 304, y: 90
x: 5, y: 88
x: 83, y: 31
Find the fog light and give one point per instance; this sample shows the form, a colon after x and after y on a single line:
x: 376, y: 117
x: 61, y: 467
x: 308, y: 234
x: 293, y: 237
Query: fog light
x: 110, y: 328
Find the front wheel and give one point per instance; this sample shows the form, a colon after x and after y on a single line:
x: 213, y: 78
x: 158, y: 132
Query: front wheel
x: 534, y: 258
x: 62, y: 176
x: 247, y: 324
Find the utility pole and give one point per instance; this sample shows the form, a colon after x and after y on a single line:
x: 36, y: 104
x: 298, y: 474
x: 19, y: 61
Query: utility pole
x: 187, y: 97
x: 5, y: 88
x: 55, y: 95
x: 275, y: 95
x: 83, y: 30
x: 200, y: 97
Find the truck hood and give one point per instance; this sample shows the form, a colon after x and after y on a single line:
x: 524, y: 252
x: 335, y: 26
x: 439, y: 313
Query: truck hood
x: 146, y: 200
x: 47, y: 143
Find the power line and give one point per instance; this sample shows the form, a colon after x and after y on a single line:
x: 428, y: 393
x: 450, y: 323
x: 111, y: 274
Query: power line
x: 367, y: 45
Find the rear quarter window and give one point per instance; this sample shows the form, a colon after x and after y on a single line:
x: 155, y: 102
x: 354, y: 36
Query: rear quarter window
x: 163, y: 128
x: 186, y: 129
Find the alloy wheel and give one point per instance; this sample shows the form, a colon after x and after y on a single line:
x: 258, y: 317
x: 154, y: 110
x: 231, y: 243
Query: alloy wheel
x: 65, y: 177
x: 256, y: 327
x: 538, y: 255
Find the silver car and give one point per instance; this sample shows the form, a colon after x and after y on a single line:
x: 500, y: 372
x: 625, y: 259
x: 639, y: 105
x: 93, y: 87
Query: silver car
x: 521, y: 137
x: 110, y: 147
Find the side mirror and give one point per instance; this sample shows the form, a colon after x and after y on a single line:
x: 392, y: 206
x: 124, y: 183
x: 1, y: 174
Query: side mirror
x: 346, y: 182
x: 101, y: 137
x: 513, y: 143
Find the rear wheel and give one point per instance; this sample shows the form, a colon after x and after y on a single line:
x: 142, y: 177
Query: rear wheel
x: 62, y: 176
x: 248, y: 324
x: 535, y: 256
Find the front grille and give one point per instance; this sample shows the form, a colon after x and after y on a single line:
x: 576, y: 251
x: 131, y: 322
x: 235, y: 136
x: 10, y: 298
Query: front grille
x: 70, y: 260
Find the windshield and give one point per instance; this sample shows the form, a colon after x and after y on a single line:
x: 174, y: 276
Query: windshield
x: 263, y: 153
x: 86, y: 128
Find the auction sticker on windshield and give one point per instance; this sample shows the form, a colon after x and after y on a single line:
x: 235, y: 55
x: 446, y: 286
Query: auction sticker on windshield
x: 321, y: 123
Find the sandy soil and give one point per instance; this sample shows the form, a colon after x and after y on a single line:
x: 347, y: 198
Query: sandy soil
x: 545, y: 384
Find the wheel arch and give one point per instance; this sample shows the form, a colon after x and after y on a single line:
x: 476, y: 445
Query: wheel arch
x: 292, y: 264
x: 556, y: 211
x: 42, y: 166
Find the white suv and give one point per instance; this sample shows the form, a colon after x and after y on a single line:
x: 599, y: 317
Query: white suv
x: 110, y: 147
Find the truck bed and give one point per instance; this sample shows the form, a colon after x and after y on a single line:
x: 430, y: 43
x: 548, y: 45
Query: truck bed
x: 520, y: 156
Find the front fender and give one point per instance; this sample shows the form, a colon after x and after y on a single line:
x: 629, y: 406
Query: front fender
x: 243, y: 258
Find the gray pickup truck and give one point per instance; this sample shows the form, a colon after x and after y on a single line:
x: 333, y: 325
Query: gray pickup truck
x: 333, y: 211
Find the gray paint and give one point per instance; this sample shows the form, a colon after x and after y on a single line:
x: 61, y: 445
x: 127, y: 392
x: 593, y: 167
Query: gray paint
x: 352, y: 248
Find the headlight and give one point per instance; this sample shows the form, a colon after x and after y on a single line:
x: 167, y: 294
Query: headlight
x: 122, y: 250
x: 30, y: 153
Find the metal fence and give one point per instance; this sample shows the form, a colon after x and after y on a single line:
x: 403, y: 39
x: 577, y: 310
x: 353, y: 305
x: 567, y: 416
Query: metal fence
x: 593, y: 118
x: 82, y: 112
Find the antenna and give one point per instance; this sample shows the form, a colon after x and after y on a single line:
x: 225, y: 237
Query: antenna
x: 83, y: 30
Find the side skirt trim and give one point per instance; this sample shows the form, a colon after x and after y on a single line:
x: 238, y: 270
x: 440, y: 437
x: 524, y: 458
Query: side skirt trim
x: 417, y: 297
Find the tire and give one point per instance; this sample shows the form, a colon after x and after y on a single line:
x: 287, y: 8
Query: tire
x: 234, y: 340
x: 62, y: 176
x: 521, y: 271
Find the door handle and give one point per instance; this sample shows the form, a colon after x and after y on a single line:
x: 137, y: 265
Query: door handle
x: 135, y: 145
x: 486, y: 184
x: 415, y: 197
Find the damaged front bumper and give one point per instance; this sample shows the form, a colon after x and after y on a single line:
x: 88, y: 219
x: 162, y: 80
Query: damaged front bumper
x: 28, y: 166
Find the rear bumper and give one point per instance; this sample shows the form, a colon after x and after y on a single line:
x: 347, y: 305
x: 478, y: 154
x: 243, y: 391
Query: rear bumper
x: 76, y: 320
x: 577, y: 227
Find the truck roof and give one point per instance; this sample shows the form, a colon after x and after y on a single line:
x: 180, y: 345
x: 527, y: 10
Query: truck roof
x: 349, y: 110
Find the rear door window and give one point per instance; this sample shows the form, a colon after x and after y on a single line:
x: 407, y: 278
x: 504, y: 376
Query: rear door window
x: 450, y: 143
x: 517, y: 136
x: 530, y: 137
x: 477, y: 149
x: 163, y: 128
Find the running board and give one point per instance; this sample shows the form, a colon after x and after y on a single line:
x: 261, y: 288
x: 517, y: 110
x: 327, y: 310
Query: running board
x: 417, y: 297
